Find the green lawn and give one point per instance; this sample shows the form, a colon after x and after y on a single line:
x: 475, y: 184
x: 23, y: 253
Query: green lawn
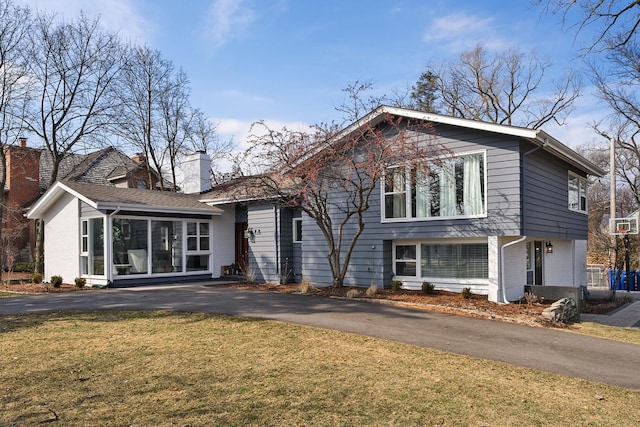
x: 162, y: 369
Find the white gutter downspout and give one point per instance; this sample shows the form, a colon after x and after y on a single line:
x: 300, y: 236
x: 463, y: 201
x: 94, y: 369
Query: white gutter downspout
x: 109, y: 259
x: 502, y: 274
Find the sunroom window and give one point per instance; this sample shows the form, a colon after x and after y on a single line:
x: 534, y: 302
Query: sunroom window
x: 453, y: 187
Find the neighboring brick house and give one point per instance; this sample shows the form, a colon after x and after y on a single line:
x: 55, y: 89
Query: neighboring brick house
x: 28, y: 176
x: 22, y: 188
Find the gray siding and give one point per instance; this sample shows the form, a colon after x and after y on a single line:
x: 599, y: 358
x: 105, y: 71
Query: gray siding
x: 546, y: 212
x: 263, y: 249
x: 371, y: 260
x: 87, y: 211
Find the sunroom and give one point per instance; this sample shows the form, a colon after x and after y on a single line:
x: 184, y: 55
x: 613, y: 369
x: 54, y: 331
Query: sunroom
x: 123, y: 236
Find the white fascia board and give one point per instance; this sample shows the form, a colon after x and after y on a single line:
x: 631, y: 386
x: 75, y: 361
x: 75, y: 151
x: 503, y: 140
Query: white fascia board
x: 560, y: 150
x: 155, y: 209
x: 51, y: 196
x: 539, y: 137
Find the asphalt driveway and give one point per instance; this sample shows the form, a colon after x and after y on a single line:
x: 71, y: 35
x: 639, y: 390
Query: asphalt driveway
x: 548, y: 350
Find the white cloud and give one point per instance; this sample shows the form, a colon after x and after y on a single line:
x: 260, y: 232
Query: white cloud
x: 120, y: 16
x: 458, y: 32
x: 228, y: 19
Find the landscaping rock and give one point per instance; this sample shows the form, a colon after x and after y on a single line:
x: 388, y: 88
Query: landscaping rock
x: 564, y: 310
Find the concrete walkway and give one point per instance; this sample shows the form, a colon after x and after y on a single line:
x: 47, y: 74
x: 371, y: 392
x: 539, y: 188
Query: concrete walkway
x: 626, y: 316
x: 543, y: 349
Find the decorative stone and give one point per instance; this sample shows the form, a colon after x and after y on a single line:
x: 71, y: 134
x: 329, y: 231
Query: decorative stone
x: 564, y: 310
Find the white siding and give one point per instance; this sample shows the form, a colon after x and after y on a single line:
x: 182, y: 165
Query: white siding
x: 62, y: 242
x: 514, y: 267
x: 566, y: 266
x: 224, y: 239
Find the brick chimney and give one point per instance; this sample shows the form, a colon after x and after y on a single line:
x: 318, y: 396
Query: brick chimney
x: 139, y: 158
x: 22, y: 141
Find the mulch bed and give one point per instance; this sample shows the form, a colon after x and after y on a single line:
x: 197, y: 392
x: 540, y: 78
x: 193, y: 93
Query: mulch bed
x: 441, y: 301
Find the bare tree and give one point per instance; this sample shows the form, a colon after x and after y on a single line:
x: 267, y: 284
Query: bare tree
x: 176, y: 117
x: 203, y: 136
x: 617, y: 21
x: 153, y: 108
x: 505, y: 88
x: 74, y: 65
x: 618, y: 86
x: 331, y: 173
x: 15, y: 24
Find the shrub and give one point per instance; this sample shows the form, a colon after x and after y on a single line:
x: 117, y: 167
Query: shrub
x: 56, y: 281
x: 36, y: 278
x: 353, y: 293
x: 372, y: 290
x: 428, y: 288
x: 396, y: 284
x: 305, y: 287
x: 466, y: 293
x: 80, y: 282
x: 24, y: 267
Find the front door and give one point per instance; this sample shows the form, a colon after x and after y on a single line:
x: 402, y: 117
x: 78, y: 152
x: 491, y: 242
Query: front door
x: 242, y: 245
x: 534, y: 263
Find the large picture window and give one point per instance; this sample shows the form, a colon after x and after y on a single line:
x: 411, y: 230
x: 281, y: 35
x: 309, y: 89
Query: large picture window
x: 435, y: 260
x: 455, y: 187
x: 454, y: 261
x: 577, y: 193
x: 157, y: 246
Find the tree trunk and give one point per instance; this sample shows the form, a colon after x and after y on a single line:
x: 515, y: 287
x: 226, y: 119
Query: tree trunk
x: 39, y: 258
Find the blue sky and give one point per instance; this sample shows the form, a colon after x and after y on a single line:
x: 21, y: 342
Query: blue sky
x: 286, y: 61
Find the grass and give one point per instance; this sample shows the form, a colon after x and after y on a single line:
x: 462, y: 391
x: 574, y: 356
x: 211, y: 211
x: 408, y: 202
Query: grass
x: 143, y: 369
x: 630, y: 335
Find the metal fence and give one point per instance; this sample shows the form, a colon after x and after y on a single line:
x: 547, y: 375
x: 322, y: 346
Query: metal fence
x: 597, y: 276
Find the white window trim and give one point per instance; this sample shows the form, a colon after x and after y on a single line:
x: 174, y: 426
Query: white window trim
x: 185, y: 253
x: 418, y: 277
x: 384, y: 219
x: 581, y: 180
x: 294, y: 224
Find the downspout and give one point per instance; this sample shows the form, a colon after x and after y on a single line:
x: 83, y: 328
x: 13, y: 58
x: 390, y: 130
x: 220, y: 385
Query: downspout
x: 276, y: 214
x: 108, y: 262
x: 502, y: 274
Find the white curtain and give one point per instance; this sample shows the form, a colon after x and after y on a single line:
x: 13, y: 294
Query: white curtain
x: 423, y: 194
x: 472, y: 188
x: 448, y: 189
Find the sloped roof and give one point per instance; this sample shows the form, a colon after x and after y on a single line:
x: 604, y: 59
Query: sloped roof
x: 100, y: 167
x: 536, y: 136
x: 245, y: 188
x: 103, y: 197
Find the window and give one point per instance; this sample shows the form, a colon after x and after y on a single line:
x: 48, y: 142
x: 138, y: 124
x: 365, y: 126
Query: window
x: 405, y: 260
x: 197, y: 246
x: 297, y: 230
x: 577, y: 193
x: 130, y: 246
x: 455, y: 261
x: 453, y: 188
x: 92, y: 246
x: 434, y: 260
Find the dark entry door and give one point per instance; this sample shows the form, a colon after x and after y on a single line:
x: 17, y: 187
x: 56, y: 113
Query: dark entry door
x: 537, y: 268
x: 242, y: 245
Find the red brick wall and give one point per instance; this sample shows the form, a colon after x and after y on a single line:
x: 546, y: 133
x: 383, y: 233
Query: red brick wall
x: 23, y: 188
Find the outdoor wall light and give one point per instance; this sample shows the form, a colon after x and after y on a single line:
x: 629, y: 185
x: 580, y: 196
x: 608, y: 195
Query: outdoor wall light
x: 549, y: 247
